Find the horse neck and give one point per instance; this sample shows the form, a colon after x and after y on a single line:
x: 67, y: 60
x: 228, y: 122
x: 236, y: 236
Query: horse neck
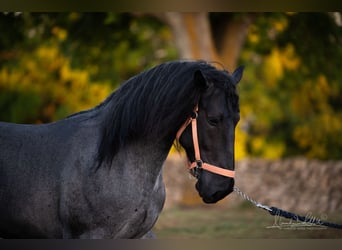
x: 144, y: 155
x: 149, y: 145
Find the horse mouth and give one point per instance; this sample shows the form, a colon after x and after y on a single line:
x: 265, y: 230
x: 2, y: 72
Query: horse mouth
x: 214, y: 198
x: 209, y: 201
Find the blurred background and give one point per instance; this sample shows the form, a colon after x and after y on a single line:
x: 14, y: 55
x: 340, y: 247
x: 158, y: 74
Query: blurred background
x: 289, y: 139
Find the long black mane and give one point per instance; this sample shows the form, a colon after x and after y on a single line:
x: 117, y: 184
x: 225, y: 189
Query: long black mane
x: 154, y: 104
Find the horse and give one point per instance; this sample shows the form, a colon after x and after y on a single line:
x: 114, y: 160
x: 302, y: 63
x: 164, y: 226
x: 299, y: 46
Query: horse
x: 97, y: 174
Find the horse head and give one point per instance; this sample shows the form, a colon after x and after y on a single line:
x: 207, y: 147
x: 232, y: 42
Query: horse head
x: 209, y: 140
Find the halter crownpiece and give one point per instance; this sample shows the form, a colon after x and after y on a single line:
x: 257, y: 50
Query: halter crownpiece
x: 198, y: 164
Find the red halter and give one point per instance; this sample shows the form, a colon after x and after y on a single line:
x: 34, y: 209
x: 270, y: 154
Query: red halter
x: 198, y: 163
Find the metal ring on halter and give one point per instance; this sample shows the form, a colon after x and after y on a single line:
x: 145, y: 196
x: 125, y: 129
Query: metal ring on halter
x: 195, y: 171
x: 194, y: 115
x: 199, y: 164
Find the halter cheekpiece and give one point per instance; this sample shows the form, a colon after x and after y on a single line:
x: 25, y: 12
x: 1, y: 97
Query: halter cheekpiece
x: 198, y: 164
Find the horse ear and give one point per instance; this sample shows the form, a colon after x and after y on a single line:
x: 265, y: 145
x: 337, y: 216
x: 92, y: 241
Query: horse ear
x: 237, y: 74
x: 200, y: 80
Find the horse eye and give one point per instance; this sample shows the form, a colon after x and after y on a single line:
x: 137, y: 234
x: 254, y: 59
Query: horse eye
x: 213, y: 121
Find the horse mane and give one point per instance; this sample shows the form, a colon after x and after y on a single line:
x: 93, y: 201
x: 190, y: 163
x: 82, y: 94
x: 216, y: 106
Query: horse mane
x: 154, y: 104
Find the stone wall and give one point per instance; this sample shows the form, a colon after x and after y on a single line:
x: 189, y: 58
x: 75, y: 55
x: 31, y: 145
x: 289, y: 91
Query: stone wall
x: 295, y: 184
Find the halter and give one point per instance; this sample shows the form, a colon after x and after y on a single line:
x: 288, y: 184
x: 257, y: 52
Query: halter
x: 198, y: 164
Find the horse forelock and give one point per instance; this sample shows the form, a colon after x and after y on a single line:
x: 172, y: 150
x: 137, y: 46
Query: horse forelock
x: 153, y: 104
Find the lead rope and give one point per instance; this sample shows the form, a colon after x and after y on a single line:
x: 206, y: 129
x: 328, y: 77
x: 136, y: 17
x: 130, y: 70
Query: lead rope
x: 279, y: 212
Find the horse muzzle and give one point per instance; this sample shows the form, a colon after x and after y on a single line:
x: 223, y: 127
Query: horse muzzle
x: 214, y: 194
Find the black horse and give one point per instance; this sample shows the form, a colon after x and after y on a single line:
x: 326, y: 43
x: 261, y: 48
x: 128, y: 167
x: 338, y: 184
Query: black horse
x: 98, y: 173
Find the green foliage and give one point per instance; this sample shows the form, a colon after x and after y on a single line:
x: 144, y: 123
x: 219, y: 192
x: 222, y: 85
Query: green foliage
x: 54, y: 64
x: 291, y: 94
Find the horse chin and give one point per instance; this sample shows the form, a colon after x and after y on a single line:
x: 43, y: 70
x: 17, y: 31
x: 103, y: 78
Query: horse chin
x: 209, y: 200
x: 215, y: 197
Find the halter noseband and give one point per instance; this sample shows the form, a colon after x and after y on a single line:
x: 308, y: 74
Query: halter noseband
x: 198, y: 163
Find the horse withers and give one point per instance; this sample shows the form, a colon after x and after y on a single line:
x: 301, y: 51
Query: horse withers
x: 98, y: 173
